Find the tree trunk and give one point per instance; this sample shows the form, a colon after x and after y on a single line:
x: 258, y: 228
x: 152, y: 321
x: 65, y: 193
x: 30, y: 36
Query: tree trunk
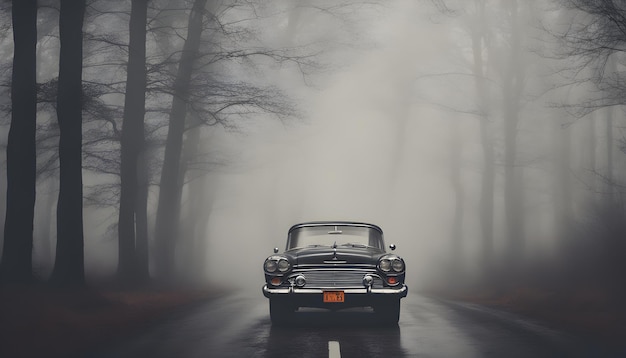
x: 609, y: 153
x: 590, y: 163
x: 132, y: 145
x: 513, y: 84
x: 200, y: 239
x: 194, y: 223
x: 3, y: 207
x: 168, y: 210
x: 459, y: 200
x: 141, y: 220
x: 189, y: 212
x: 43, y: 230
x: 21, y: 155
x: 69, y: 264
x: 488, y: 174
x: 562, y: 185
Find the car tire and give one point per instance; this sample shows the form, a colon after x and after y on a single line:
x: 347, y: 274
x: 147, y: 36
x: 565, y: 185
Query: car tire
x: 388, y: 312
x: 280, y: 312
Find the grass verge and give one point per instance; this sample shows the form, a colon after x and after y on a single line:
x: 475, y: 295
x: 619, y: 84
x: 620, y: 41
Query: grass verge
x: 585, y: 312
x: 36, y: 321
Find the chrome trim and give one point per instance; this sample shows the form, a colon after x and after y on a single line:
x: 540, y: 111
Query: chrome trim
x: 391, y: 258
x: 368, y: 280
x: 300, y: 280
x: 334, y: 266
x: 335, y: 223
x: 267, y: 292
x: 333, y: 277
x: 277, y: 259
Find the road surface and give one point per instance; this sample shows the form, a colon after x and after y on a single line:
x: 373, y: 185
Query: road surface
x: 239, y: 326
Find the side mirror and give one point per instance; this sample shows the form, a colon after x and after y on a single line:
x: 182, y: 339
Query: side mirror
x: 392, y: 247
x: 276, y: 250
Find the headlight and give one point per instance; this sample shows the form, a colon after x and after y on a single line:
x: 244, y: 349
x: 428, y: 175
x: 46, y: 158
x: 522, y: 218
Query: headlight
x: 270, y: 265
x: 398, y: 265
x: 385, y: 265
x: 283, y: 265
x: 391, y: 263
x: 276, y: 265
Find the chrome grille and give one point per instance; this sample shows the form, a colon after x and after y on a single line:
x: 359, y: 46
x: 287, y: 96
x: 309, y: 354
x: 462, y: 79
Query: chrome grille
x: 339, y: 278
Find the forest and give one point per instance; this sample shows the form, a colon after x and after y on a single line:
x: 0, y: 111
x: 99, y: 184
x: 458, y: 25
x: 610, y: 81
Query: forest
x: 152, y: 142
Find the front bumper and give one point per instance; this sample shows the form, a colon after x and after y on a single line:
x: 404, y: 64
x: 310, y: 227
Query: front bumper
x: 354, y: 297
x: 399, y: 292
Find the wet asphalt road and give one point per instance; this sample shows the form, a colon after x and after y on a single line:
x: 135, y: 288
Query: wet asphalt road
x: 239, y: 326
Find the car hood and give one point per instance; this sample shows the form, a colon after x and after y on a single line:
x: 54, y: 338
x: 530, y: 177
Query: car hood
x: 350, y: 255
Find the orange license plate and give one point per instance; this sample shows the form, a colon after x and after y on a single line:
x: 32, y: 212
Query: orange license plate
x: 333, y: 296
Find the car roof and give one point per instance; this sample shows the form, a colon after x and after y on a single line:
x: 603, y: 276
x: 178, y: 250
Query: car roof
x: 338, y: 223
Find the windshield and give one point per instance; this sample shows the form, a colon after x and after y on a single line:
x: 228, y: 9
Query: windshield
x: 351, y: 236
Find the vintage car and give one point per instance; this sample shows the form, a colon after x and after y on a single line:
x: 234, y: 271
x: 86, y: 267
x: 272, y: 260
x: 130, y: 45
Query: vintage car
x: 334, y: 265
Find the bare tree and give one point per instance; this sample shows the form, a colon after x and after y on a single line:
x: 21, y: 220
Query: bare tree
x: 475, y: 20
x: 480, y: 40
x: 202, y: 91
x: 595, y: 42
x: 170, y: 187
x: 132, y: 263
x: 21, y: 159
x: 513, y: 78
x: 69, y: 264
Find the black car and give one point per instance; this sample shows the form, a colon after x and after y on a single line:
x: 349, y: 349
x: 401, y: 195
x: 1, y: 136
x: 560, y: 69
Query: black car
x: 334, y: 265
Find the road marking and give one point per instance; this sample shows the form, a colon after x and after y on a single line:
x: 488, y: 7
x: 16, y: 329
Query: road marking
x: 333, y: 349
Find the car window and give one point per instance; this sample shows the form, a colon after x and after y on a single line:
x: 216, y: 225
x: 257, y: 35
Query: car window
x: 331, y: 235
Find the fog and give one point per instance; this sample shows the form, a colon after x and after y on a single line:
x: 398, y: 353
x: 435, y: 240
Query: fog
x: 386, y: 125
x: 374, y: 147
x: 365, y: 152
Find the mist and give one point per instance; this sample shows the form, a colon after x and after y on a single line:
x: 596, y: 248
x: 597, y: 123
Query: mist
x: 151, y: 165
x: 388, y: 125
x: 377, y: 145
x: 366, y: 151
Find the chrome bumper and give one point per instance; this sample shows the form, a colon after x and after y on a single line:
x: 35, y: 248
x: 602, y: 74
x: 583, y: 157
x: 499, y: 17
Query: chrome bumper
x: 400, y: 292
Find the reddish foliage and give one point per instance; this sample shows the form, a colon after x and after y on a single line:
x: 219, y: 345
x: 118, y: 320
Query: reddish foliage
x: 38, y: 322
x: 587, y: 312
